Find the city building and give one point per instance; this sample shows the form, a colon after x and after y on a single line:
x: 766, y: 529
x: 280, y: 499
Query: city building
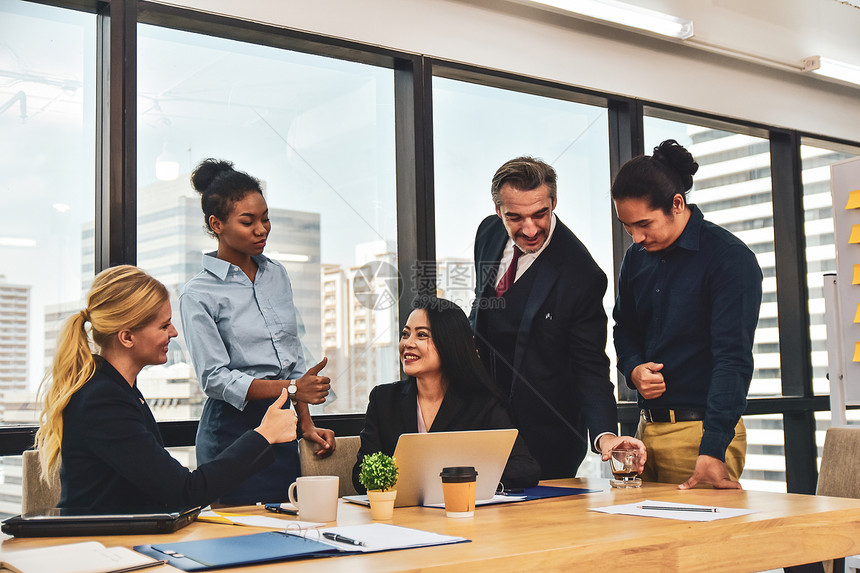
x: 14, y: 339
x: 360, y: 330
x: 733, y: 188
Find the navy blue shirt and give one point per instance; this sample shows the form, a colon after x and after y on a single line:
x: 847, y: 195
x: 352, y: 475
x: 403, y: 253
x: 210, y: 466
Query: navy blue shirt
x: 694, y: 308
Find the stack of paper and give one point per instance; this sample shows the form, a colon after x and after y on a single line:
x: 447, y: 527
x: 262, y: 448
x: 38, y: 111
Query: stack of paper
x: 87, y: 557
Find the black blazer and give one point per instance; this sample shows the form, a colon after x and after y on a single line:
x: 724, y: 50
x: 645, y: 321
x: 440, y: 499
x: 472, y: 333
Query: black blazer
x: 113, y: 457
x: 393, y: 411
x: 561, y: 385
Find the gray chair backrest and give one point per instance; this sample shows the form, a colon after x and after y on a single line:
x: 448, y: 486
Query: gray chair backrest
x: 339, y: 464
x: 840, y: 463
x: 36, y: 493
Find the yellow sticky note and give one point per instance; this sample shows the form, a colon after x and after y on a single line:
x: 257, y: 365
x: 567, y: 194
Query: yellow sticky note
x: 853, y: 200
x: 855, y: 234
x: 857, y: 352
x: 857, y: 314
x: 856, y: 280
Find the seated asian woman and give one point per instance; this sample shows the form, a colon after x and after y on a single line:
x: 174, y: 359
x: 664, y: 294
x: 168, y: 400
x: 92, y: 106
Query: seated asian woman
x: 96, y: 426
x: 447, y: 389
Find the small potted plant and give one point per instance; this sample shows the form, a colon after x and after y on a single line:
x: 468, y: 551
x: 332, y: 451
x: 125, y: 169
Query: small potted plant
x: 379, y: 475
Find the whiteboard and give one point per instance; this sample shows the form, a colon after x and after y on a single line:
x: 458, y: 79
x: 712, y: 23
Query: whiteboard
x: 845, y: 191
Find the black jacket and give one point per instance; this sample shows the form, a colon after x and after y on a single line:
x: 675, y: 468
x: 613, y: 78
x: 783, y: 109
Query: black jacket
x: 113, y: 457
x: 393, y: 411
x: 561, y: 388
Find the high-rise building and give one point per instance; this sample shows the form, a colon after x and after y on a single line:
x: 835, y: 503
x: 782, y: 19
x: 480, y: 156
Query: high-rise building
x: 733, y: 188
x: 14, y: 350
x: 55, y: 317
x: 360, y: 330
x: 14, y: 338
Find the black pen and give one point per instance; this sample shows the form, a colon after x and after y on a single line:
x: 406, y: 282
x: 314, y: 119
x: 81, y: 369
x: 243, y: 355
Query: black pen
x: 678, y: 508
x: 342, y: 539
x: 279, y: 508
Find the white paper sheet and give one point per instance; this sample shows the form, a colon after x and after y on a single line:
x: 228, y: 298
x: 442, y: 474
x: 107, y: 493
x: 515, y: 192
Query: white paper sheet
x: 383, y: 537
x: 258, y: 520
x: 708, y: 513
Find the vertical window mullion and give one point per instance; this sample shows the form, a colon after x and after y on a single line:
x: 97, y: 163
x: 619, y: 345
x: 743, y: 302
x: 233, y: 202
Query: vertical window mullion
x: 794, y: 347
x: 116, y: 137
x: 413, y: 104
x: 626, y: 140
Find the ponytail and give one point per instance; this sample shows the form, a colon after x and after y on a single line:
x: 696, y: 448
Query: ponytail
x: 73, y: 366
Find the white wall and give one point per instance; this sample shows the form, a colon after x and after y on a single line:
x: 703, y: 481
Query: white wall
x: 524, y: 40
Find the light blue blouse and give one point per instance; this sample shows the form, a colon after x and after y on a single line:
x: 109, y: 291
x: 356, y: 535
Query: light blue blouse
x: 238, y: 330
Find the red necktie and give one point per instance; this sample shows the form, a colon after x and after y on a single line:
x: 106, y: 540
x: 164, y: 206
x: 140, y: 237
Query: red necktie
x: 510, y: 274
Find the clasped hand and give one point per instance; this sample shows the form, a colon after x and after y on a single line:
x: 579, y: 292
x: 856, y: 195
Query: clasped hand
x: 649, y: 380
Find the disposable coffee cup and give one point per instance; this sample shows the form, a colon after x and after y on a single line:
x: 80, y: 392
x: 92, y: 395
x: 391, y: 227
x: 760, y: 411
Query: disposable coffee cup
x: 458, y: 487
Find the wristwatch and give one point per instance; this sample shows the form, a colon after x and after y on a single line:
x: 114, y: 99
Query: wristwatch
x: 292, y: 389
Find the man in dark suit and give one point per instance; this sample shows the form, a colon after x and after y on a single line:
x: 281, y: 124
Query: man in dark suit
x: 540, y: 325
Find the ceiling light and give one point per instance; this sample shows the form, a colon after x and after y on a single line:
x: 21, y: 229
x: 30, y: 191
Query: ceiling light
x: 288, y: 257
x: 832, y: 69
x: 624, y: 15
x: 16, y: 242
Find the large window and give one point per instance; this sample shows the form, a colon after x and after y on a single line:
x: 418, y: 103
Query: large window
x: 47, y: 170
x: 319, y: 134
x: 820, y: 245
x: 477, y: 129
x: 817, y: 157
x: 733, y: 190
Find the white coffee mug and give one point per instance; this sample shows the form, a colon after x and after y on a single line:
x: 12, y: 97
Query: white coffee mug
x: 317, y: 497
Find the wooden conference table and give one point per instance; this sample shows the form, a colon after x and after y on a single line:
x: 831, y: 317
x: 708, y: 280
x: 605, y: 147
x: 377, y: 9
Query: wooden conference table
x: 556, y: 534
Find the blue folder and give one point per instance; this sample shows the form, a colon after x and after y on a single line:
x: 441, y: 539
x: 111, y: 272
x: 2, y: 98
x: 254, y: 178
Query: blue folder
x: 542, y: 492
x: 267, y: 547
x: 547, y: 491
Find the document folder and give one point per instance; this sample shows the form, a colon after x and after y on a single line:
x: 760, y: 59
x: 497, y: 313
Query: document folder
x: 283, y: 546
x: 207, y: 554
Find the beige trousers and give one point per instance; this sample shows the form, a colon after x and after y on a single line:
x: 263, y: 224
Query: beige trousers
x: 674, y: 447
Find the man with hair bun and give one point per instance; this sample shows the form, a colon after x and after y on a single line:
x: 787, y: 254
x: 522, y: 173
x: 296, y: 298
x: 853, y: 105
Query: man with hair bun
x: 688, y: 302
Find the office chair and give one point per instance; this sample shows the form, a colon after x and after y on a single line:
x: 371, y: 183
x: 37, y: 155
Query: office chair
x: 37, y: 494
x: 339, y: 464
x: 840, y: 465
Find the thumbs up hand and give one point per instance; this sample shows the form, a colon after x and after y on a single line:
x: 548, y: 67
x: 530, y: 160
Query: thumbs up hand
x: 312, y: 388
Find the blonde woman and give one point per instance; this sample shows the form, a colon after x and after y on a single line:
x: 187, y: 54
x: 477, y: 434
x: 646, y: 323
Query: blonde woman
x: 96, y: 427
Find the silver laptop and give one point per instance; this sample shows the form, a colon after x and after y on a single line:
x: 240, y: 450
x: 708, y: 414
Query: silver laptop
x: 421, y: 457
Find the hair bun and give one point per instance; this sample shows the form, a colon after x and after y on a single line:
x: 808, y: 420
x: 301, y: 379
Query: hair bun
x: 207, y: 171
x: 674, y: 155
